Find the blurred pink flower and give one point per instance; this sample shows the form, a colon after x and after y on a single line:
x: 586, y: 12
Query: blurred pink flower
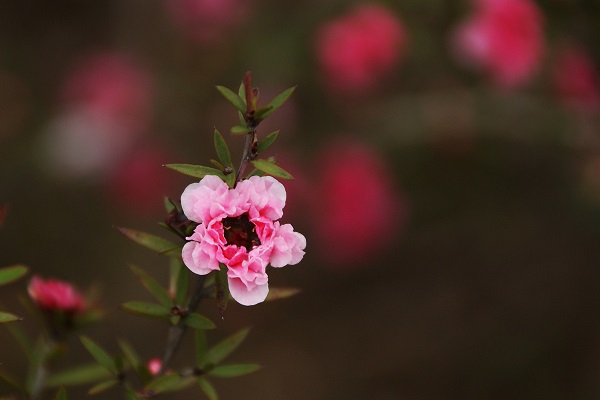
x: 55, y: 295
x: 111, y: 85
x: 504, y: 38
x: 358, y: 210
x: 140, y: 181
x: 106, y: 106
x: 238, y: 228
x: 356, y: 49
x: 575, y: 77
x: 154, y: 365
x: 207, y: 21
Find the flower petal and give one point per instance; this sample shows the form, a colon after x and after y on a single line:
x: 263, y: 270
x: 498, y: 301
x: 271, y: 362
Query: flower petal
x: 247, y: 297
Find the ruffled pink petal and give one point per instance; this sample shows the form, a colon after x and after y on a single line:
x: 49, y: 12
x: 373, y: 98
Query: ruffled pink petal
x: 265, y: 195
x: 288, y: 247
x: 245, y: 296
x: 198, y: 199
x: 200, y: 258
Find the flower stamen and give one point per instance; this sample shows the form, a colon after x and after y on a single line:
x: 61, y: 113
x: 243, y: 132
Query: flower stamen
x: 239, y: 231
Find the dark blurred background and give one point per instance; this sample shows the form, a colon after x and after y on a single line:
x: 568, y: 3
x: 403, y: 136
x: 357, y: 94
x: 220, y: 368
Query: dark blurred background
x: 447, y: 181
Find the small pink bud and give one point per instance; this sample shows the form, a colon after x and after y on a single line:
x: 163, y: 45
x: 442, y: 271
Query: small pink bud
x: 55, y: 295
x: 154, y: 366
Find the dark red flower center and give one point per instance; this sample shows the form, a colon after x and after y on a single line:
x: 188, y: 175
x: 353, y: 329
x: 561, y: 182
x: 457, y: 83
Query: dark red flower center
x: 241, y: 232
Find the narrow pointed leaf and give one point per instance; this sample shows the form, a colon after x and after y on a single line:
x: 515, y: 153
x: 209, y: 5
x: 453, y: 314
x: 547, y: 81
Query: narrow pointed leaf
x: 200, y: 346
x: 163, y: 384
x: 24, y: 342
x: 134, y: 360
x: 230, y: 179
x: 271, y: 169
x: 222, y: 149
x: 276, y: 293
x: 99, y: 354
x: 131, y: 394
x: 221, y: 289
x: 217, y: 164
x: 224, y: 348
x: 155, y: 289
x: 197, y: 321
x: 147, y: 309
x: 232, y: 98
x: 233, y: 370
x: 169, y: 206
x: 256, y: 172
x: 197, y: 171
x: 152, y: 242
x: 208, y: 389
x: 242, y: 92
x: 259, y: 115
x: 83, y: 374
x: 277, y: 101
x: 8, y: 317
x: 12, y: 273
x: 182, y: 283
x: 267, y: 141
x: 239, y: 129
x: 61, y: 394
x: 11, y: 380
x: 102, y: 386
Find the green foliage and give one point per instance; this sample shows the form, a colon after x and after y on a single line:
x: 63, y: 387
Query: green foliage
x: 99, y: 354
x: 61, y: 394
x: 147, y: 309
x: 8, y: 317
x: 155, y: 289
x: 240, y: 129
x: 197, y: 321
x: 271, y: 169
x: 179, y: 282
x: 197, y: 171
x: 207, y: 388
x: 233, y: 370
x: 277, y: 293
x: 221, y: 350
x: 221, y: 288
x: 80, y: 375
x: 152, y: 242
x: 12, y: 273
x: 233, y: 98
x: 102, y: 386
x: 264, y: 144
x: 274, y: 104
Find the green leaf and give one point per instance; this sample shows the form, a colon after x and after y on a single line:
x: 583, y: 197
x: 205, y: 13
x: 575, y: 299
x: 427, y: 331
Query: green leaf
x: 259, y: 114
x: 12, y: 273
x: 182, y: 280
x: 102, y: 386
x: 267, y: 141
x: 169, y: 205
x: 197, y: 321
x: 233, y: 370
x: 11, y: 380
x: 271, y: 169
x: 224, y: 348
x: 131, y: 394
x: 277, y: 102
x: 197, y: 171
x: 83, y: 374
x: 230, y: 179
x: 242, y: 92
x: 217, y: 164
x: 155, y: 289
x: 163, y: 384
x: 99, y: 354
x: 277, y: 293
x: 39, y: 356
x: 239, y: 129
x: 24, y: 342
x: 8, y: 317
x: 61, y: 394
x: 152, y: 242
x: 207, y: 388
x: 200, y: 346
x: 222, y: 149
x: 134, y: 360
x: 256, y: 172
x: 232, y: 98
x: 147, y: 309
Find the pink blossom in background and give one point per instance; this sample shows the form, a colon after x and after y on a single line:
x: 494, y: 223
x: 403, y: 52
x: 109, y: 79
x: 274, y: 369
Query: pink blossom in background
x: 239, y: 228
x: 55, y: 295
x: 575, y: 77
x: 154, y: 365
x: 106, y: 106
x: 112, y: 86
x: 357, y: 49
x: 140, y: 181
x: 503, y: 38
x: 207, y: 21
x: 358, y: 209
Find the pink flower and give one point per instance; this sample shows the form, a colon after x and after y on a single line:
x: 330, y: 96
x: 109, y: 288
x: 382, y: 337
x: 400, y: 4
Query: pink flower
x: 503, y: 38
x: 206, y: 21
x: 154, y: 365
x: 576, y: 78
x: 355, y: 50
x: 55, y: 295
x: 358, y: 211
x: 239, y: 228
